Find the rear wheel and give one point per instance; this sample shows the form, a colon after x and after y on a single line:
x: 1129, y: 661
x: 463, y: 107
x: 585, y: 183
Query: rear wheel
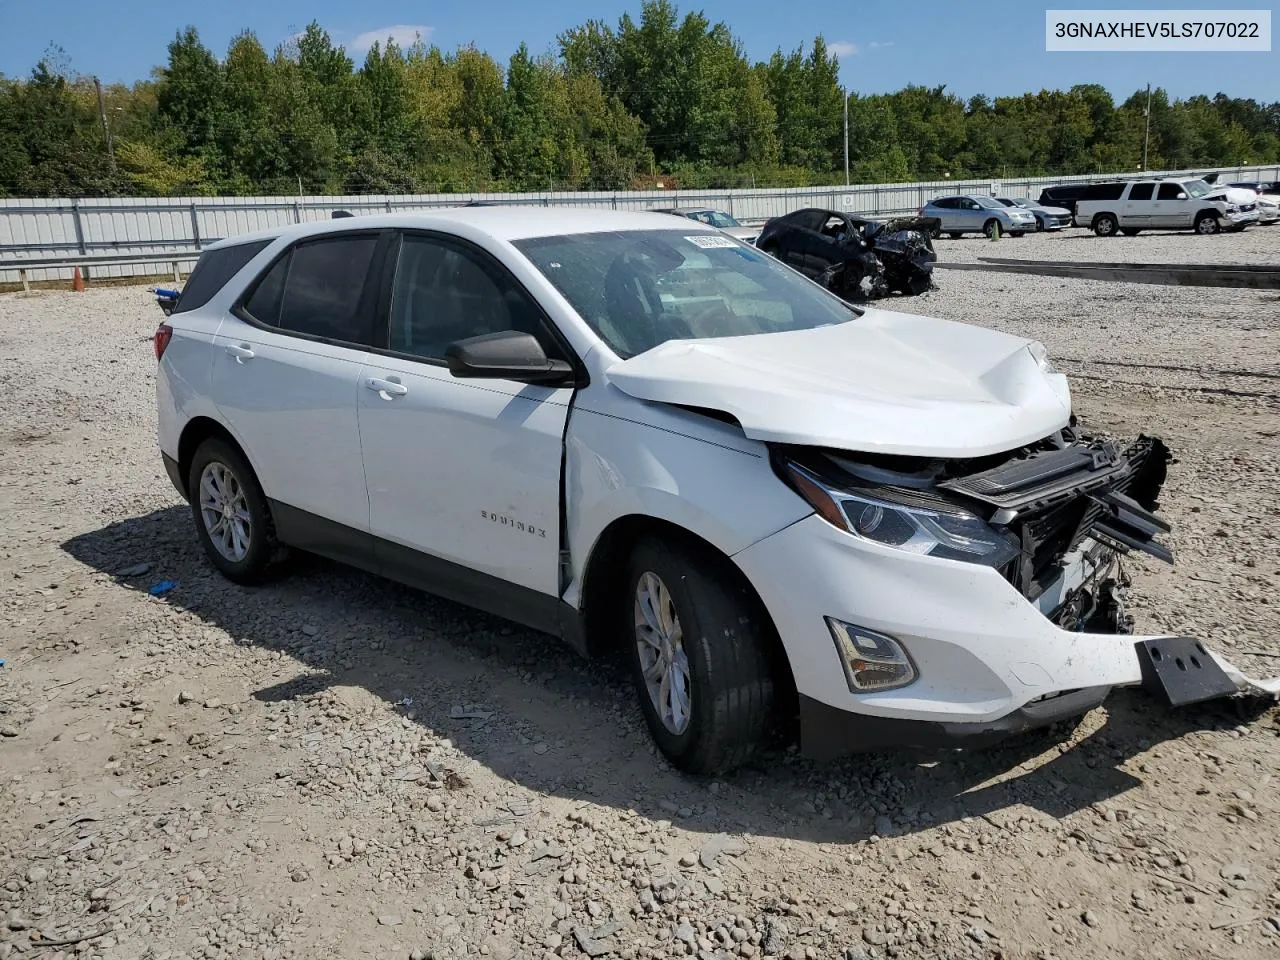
x: 700, y: 656
x: 232, y: 518
x: 1207, y: 223
x: 1105, y: 225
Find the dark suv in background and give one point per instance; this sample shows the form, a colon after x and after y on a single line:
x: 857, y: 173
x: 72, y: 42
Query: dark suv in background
x: 1066, y: 194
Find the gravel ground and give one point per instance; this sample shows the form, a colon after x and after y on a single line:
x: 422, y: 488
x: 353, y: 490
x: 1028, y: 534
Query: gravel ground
x: 336, y: 766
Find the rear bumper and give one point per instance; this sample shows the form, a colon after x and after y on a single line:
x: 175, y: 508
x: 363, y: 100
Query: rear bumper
x: 175, y: 474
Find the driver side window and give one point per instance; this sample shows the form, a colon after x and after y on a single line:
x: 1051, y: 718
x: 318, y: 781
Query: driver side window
x: 444, y: 292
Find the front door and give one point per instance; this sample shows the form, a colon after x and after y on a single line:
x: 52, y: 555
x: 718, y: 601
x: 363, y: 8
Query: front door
x: 1173, y: 208
x: 463, y: 475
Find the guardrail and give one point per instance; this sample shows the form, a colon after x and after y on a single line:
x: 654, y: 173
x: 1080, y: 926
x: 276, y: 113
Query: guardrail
x: 135, y: 232
x: 86, y: 263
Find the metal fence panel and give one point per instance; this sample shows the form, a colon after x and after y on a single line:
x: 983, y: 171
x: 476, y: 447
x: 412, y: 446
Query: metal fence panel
x: 33, y: 229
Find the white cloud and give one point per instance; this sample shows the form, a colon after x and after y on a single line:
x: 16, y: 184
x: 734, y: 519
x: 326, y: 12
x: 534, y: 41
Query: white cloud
x: 404, y: 34
x: 843, y: 49
x: 879, y: 43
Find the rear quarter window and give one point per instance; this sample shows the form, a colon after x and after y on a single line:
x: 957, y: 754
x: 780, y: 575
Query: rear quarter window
x: 1103, y: 191
x: 213, y: 270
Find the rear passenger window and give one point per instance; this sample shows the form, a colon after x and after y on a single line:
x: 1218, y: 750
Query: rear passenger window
x: 213, y: 270
x: 1171, y: 191
x: 1141, y: 191
x: 316, y: 289
x: 444, y: 293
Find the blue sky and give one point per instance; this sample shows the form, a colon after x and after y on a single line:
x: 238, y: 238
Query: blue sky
x: 995, y: 47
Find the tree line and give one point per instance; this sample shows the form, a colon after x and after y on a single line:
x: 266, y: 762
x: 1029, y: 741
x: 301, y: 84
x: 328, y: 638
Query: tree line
x: 662, y: 99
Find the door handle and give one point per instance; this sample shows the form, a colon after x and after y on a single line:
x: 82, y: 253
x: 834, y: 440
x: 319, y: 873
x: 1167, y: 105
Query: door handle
x: 241, y: 352
x: 386, y: 389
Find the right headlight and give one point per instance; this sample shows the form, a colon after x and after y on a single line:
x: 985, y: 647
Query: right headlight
x: 885, y: 515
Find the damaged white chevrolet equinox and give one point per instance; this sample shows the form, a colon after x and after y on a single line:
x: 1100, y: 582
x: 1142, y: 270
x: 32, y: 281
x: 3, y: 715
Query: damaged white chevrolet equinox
x: 645, y: 435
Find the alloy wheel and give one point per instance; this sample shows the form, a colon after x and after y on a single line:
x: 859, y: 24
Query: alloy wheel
x: 660, y: 647
x: 224, y: 510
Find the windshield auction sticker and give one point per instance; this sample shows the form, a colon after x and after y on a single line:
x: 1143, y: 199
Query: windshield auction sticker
x: 709, y: 241
x: 1185, y: 31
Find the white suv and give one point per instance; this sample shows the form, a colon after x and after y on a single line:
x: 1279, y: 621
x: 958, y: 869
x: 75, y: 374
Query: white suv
x: 639, y: 433
x: 1129, y: 208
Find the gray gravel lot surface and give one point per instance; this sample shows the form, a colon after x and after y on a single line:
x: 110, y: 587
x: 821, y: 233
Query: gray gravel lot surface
x: 335, y: 766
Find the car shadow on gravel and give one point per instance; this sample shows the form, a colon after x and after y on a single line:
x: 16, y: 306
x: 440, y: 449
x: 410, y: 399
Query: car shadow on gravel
x: 571, y: 728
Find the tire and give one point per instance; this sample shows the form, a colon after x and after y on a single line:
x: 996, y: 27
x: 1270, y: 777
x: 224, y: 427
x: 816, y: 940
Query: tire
x: 1207, y: 224
x: 724, y: 644
x: 219, y: 473
x: 1039, y: 224
x: 1131, y: 231
x: 989, y: 228
x: 1105, y: 225
x: 954, y: 235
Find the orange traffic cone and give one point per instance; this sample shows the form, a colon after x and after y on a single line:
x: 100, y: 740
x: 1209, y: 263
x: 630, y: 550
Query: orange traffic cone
x: 77, y: 281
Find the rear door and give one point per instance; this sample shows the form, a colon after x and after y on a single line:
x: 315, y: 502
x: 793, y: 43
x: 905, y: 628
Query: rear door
x: 1139, y: 207
x: 285, y: 378
x: 463, y: 475
x: 946, y: 211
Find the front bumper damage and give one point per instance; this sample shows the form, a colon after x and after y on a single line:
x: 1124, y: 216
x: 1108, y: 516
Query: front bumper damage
x: 998, y: 651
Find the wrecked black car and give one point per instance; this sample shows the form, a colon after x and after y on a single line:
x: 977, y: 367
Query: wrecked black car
x: 852, y: 257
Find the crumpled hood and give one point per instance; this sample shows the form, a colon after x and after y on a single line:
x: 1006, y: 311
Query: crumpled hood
x: 885, y: 382
x: 1236, y: 195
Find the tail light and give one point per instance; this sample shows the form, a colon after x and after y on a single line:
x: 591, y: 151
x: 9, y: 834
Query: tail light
x: 164, y: 333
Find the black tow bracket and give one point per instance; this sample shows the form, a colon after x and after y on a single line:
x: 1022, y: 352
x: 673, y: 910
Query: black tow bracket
x: 1179, y: 671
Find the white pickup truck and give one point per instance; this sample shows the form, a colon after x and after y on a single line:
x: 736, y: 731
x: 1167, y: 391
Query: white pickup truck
x: 1170, y: 204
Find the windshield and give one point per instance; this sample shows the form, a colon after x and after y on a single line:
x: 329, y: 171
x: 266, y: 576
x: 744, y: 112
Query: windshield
x: 715, y: 218
x: 1024, y: 203
x: 1007, y: 202
x: 991, y: 203
x: 1196, y: 188
x: 640, y: 288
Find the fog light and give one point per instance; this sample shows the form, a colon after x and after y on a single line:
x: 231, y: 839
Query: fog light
x: 871, y: 661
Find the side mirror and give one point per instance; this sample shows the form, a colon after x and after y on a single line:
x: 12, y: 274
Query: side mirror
x: 1182, y: 196
x: 506, y: 355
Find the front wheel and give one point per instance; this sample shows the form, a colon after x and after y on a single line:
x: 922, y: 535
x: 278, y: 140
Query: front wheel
x: 1207, y: 224
x: 1105, y: 225
x: 1039, y: 224
x: 700, y: 656
x: 991, y: 228
x: 232, y: 518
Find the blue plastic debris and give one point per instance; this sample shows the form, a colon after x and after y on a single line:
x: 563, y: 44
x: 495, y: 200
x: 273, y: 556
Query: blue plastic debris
x: 1, y: 663
x: 163, y: 587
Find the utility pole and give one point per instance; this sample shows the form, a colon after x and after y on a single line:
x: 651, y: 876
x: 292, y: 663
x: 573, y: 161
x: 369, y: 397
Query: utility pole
x: 106, y: 130
x: 1146, y: 137
x: 846, y: 135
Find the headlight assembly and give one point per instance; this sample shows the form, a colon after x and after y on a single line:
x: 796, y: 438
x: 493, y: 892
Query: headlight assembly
x: 881, y: 515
